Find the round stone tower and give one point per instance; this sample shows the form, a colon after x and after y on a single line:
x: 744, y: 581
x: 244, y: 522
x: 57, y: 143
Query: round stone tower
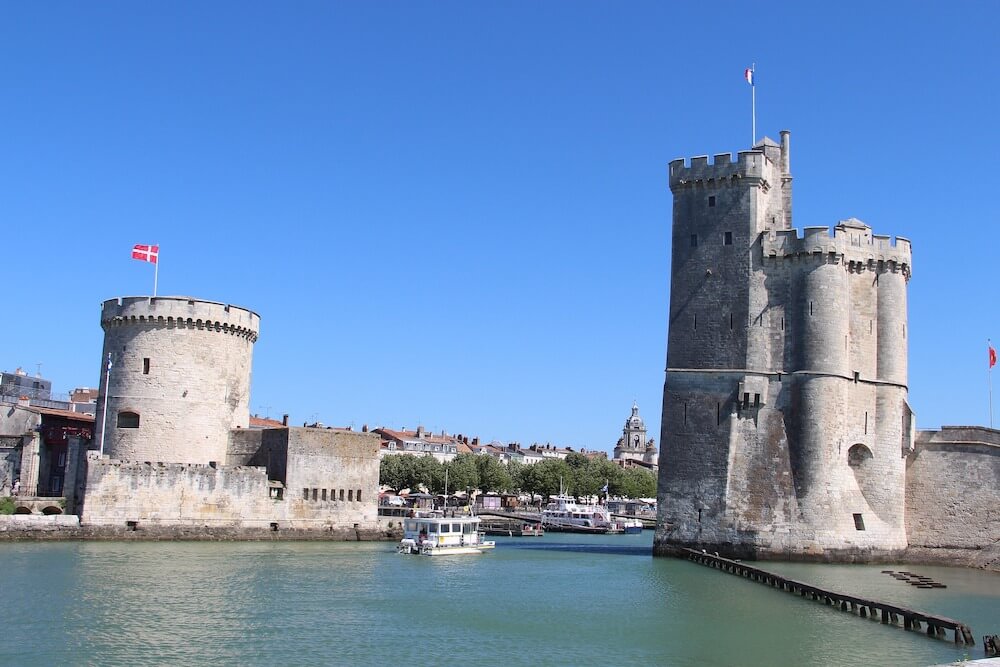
x: 179, y: 378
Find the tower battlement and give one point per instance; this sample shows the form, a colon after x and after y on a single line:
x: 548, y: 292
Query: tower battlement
x: 851, y: 240
x: 176, y: 312
x: 723, y: 168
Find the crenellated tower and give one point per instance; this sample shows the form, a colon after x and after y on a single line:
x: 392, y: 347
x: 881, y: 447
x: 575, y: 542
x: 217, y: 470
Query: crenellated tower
x: 179, y: 381
x: 785, y: 422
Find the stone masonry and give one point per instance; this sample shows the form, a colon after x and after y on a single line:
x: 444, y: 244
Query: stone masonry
x: 179, y: 366
x: 785, y: 418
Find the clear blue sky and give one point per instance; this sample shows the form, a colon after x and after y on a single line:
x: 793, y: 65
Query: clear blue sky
x: 457, y: 213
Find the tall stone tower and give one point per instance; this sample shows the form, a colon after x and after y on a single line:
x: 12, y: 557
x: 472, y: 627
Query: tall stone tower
x: 785, y: 420
x: 179, y: 381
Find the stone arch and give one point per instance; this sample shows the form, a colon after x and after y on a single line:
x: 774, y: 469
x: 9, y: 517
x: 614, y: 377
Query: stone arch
x: 51, y: 509
x: 21, y: 509
x: 858, y: 456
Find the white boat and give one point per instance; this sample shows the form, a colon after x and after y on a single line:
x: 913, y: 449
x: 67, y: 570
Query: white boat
x: 631, y: 526
x: 442, y: 536
x: 564, y: 513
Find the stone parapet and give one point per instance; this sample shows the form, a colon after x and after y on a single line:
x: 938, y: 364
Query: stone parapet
x: 851, y: 242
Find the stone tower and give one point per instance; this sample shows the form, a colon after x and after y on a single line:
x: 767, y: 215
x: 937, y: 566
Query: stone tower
x: 180, y: 378
x: 785, y: 418
x: 633, y: 442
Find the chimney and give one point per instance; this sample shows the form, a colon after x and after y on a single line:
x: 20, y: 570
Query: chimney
x: 23, y: 401
x: 284, y: 420
x: 475, y: 441
x: 364, y: 428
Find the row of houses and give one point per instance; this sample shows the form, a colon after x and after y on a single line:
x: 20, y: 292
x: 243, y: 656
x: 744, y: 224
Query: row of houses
x: 444, y: 446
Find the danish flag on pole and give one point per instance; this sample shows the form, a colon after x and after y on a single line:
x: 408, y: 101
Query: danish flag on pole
x: 748, y: 75
x: 146, y: 253
x: 993, y: 356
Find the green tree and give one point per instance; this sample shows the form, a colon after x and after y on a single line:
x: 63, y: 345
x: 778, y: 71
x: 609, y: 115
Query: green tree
x: 493, y: 475
x: 638, y: 483
x: 463, y: 473
x: 549, y: 474
x: 429, y: 472
x: 392, y: 471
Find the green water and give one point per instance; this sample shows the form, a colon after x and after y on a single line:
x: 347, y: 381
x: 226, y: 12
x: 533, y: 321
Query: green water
x: 557, y: 600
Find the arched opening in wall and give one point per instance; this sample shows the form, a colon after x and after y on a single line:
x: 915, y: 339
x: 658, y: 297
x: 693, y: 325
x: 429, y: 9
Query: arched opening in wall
x: 22, y: 510
x: 128, y: 419
x: 858, y: 457
x: 52, y: 509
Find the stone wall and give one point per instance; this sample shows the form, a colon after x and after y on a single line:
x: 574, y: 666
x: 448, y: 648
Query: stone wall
x: 332, y: 484
x: 953, y: 490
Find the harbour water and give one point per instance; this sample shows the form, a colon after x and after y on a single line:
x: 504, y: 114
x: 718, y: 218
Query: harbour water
x: 558, y: 600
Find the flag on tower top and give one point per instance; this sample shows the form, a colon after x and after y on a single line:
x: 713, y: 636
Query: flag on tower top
x: 146, y: 253
x: 993, y: 356
x: 748, y: 75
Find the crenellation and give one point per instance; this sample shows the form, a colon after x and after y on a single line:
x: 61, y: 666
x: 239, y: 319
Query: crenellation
x: 752, y: 164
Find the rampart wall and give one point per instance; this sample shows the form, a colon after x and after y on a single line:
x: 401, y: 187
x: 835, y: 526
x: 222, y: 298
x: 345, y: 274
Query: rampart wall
x: 953, y: 494
x: 300, y: 478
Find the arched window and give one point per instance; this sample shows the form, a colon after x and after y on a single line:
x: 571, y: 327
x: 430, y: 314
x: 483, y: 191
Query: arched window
x: 127, y: 419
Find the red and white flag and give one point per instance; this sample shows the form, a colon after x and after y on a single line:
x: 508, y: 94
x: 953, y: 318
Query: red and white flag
x: 748, y: 75
x: 993, y: 356
x: 146, y: 253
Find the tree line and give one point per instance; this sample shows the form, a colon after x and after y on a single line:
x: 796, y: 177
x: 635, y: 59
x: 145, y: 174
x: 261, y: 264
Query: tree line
x: 579, y: 475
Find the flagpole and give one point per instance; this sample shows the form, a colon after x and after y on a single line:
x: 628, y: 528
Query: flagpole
x: 156, y: 269
x: 104, y: 414
x: 989, y: 374
x: 753, y: 103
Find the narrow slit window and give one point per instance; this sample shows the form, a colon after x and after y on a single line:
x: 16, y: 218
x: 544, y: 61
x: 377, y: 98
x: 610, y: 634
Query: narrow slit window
x: 324, y: 494
x: 727, y: 238
x: 810, y: 307
x: 694, y: 240
x: 305, y: 494
x: 315, y: 494
x: 357, y: 495
x: 145, y: 365
x: 341, y: 494
x: 866, y: 422
x: 350, y: 495
x: 859, y: 522
x: 730, y: 321
x: 685, y: 413
x: 718, y: 413
x: 711, y: 200
x: 696, y: 322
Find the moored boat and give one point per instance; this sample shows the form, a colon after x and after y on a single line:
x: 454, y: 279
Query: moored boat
x: 631, y: 526
x: 563, y: 513
x: 442, y: 536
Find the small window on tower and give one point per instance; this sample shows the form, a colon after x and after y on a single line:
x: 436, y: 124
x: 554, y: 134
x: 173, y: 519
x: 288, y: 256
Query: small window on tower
x: 128, y: 419
x: 694, y: 240
x: 145, y: 365
x: 711, y: 200
x: 728, y: 238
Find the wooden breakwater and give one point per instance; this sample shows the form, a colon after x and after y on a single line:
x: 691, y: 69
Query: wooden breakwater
x: 890, y: 614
